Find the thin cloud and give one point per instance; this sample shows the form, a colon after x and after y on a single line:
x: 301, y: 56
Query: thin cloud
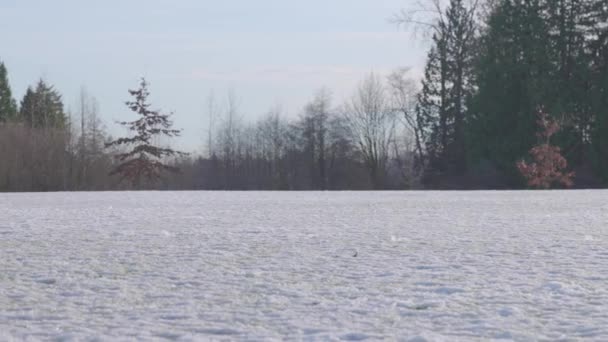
x: 283, y: 73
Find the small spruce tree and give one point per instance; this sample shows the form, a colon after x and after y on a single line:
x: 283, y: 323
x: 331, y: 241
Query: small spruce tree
x: 144, y: 160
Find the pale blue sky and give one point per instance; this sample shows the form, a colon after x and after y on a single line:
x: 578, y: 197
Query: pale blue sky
x: 271, y: 52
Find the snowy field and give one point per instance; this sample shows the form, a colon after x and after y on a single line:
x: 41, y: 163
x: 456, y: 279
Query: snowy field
x: 413, y: 266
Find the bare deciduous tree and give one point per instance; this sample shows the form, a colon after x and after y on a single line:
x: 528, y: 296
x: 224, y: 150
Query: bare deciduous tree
x: 271, y: 131
x: 314, y: 130
x: 422, y: 18
x: 427, y: 17
x: 212, y: 113
x: 404, y: 90
x: 372, y: 124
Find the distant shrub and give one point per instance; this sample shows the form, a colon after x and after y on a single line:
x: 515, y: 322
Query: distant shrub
x: 547, y: 167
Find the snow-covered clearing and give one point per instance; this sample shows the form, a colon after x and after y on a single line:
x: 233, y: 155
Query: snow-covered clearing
x: 315, y: 266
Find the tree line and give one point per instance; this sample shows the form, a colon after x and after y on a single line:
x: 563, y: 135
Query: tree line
x: 493, y: 69
x: 358, y: 145
x: 44, y: 148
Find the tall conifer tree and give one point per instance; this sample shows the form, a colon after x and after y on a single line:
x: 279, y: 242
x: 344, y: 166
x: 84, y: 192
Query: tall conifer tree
x: 42, y: 107
x: 8, y: 106
x: 513, y: 74
x: 446, y: 88
x: 144, y: 160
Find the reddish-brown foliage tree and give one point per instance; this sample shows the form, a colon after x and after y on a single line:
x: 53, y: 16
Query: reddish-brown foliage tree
x: 144, y: 159
x: 548, y: 166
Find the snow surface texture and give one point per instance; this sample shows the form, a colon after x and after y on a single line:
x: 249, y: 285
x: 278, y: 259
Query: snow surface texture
x: 304, y: 266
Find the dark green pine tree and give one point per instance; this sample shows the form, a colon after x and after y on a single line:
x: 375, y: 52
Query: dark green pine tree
x: 460, y: 49
x: 446, y: 88
x: 569, y: 23
x: 598, y: 46
x: 432, y: 113
x: 8, y: 106
x: 42, y: 107
x: 513, y: 74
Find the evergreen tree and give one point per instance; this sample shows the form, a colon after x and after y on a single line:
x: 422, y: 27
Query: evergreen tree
x: 460, y: 52
x: 541, y: 53
x: 8, y: 106
x: 42, y: 107
x: 513, y: 77
x: 568, y: 26
x: 431, y: 112
x: 598, y: 47
x: 144, y: 159
x: 446, y: 89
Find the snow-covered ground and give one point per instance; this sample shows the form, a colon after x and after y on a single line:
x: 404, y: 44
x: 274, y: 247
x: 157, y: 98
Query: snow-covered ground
x: 307, y: 266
